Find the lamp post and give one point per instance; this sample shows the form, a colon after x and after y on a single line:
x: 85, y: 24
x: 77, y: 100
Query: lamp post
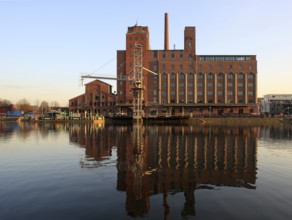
x: 210, y: 111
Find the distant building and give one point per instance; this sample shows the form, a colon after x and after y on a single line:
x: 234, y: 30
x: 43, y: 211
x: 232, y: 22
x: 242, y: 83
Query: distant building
x: 276, y: 104
x: 187, y: 83
x: 97, y: 99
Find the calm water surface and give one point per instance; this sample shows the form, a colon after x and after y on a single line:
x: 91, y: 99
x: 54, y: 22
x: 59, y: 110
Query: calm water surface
x: 86, y: 171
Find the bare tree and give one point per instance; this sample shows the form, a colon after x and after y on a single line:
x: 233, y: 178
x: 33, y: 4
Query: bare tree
x: 55, y: 105
x: 24, y: 105
x: 44, y: 107
x: 5, y: 103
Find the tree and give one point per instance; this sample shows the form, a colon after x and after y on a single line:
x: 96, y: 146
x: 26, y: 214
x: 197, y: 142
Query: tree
x: 5, y: 103
x: 44, y: 107
x: 55, y: 105
x: 24, y: 105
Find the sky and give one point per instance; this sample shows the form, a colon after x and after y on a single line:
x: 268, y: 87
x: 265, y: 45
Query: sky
x: 46, y: 45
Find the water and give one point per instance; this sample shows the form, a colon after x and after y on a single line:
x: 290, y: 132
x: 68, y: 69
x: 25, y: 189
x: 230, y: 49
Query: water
x: 86, y: 171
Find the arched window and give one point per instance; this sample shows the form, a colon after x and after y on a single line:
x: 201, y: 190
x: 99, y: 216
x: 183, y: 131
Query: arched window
x: 250, y: 76
x: 210, y: 76
x: 172, y: 76
x: 220, y: 76
x: 200, y: 76
x: 163, y: 76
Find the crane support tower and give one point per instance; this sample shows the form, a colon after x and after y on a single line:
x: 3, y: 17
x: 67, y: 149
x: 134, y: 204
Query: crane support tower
x: 138, y: 88
x: 137, y: 78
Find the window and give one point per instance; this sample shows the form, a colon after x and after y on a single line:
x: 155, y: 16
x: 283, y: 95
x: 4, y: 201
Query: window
x: 250, y: 76
x: 250, y: 67
x: 200, y: 84
x: 181, y: 76
x: 219, y: 67
x: 210, y: 84
x: 190, y: 84
x: 163, y: 84
x: 220, y: 92
x: 230, y: 76
x: 181, y: 92
x: 190, y: 76
x: 240, y: 67
x: 240, y: 92
x: 209, y: 67
x: 180, y: 67
x: 172, y: 55
x: 190, y: 92
x: 210, y: 93
x: 172, y: 76
x: 220, y: 84
x: 240, y: 84
x: 230, y: 92
x: 230, y: 84
x: 181, y: 55
x: 250, y: 92
x: 163, y: 67
x: 163, y: 55
x: 200, y: 93
x: 181, y: 84
x: 200, y: 67
x: 155, y: 68
x: 220, y: 76
x: 163, y: 76
x: 240, y: 76
x: 172, y: 92
x: 155, y: 54
x: 210, y: 76
x: 250, y: 84
x: 191, y: 67
x: 200, y: 76
x: 172, y: 84
x: 190, y: 56
x: 172, y: 67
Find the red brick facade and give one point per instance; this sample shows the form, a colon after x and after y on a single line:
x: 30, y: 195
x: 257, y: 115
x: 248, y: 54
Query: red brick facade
x: 98, y: 99
x: 187, y: 83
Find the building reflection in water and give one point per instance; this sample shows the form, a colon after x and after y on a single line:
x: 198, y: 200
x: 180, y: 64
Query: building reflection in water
x: 170, y: 159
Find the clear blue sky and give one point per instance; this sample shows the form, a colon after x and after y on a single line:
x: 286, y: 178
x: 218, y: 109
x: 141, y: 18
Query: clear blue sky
x: 45, y: 45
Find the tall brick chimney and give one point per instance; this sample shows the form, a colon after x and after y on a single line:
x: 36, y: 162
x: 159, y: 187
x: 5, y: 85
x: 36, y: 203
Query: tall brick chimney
x: 166, y: 43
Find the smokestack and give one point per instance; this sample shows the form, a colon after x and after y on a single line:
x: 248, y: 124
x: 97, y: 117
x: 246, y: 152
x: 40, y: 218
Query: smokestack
x: 166, y: 45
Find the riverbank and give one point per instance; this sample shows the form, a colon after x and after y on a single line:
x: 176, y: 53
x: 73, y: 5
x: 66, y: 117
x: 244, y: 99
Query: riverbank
x: 241, y: 121
x: 185, y: 121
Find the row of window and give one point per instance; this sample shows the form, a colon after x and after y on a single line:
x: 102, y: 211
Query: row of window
x: 200, y: 67
x: 230, y: 67
x: 172, y: 55
x: 208, y: 92
x: 209, y: 84
x: 224, y: 58
x: 229, y: 101
x: 209, y: 76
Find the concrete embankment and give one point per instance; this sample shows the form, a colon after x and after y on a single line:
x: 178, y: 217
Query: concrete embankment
x: 241, y: 121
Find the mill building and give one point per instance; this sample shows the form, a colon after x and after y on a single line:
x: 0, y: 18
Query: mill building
x: 181, y: 82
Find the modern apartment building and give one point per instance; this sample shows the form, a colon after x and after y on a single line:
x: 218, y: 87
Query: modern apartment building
x: 186, y: 83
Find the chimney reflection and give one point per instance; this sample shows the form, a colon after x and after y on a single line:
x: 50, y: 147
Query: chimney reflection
x: 182, y: 159
x: 165, y: 160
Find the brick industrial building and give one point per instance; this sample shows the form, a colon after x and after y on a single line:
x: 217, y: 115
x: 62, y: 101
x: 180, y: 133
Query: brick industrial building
x: 187, y: 83
x: 97, y: 99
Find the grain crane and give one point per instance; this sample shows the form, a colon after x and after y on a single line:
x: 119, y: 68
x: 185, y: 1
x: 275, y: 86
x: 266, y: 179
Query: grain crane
x: 136, y: 78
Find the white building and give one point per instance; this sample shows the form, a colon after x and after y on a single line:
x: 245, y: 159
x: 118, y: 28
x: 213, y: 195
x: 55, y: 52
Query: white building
x: 276, y: 104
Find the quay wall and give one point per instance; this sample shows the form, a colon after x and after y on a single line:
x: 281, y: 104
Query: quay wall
x: 241, y: 121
